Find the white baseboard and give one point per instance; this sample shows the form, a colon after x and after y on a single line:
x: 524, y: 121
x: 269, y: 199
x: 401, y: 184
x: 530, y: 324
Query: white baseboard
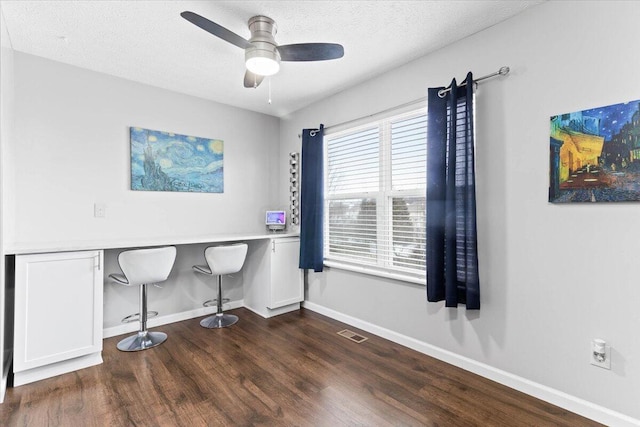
x: 270, y: 312
x: 127, y: 328
x: 55, y: 369
x: 571, y: 403
x: 3, y: 385
x: 5, y: 374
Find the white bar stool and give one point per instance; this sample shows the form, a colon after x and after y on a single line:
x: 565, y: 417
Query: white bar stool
x: 142, y: 267
x: 221, y: 260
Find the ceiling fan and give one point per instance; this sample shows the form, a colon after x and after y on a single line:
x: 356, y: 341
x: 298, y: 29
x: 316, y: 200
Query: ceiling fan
x: 261, y: 52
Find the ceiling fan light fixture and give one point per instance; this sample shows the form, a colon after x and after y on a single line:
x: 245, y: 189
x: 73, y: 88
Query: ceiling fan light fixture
x: 262, y: 62
x: 262, y: 66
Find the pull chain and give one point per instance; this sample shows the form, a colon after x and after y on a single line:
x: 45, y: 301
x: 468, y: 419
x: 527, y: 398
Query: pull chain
x: 269, y: 91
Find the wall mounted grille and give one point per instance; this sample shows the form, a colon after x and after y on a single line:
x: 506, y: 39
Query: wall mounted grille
x: 294, y: 194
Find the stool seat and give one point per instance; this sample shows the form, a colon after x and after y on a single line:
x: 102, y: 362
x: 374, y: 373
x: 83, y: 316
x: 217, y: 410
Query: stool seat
x: 204, y: 269
x: 221, y: 260
x: 141, y: 267
x: 120, y: 278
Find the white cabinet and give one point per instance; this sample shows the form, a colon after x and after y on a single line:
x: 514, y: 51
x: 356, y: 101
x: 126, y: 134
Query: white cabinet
x: 273, y: 283
x: 285, y: 285
x: 58, y: 314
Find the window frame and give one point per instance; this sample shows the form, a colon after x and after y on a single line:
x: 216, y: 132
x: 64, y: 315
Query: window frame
x: 384, y: 196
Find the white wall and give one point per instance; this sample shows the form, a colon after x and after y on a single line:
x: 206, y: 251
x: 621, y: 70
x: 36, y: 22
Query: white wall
x: 71, y: 150
x: 6, y: 125
x: 553, y: 277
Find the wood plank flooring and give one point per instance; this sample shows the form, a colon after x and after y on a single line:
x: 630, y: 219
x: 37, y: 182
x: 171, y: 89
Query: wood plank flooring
x: 290, y: 370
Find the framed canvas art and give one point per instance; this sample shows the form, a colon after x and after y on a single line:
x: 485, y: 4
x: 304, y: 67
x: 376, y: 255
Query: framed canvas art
x: 165, y: 161
x: 594, y: 155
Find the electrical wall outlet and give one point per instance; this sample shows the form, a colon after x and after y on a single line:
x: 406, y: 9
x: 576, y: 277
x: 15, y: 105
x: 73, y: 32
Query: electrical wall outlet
x: 600, y: 354
x: 99, y: 210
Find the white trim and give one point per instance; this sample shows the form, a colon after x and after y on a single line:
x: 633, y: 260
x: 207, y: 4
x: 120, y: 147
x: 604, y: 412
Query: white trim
x: 372, y: 271
x: 356, y: 180
x: 398, y: 110
x: 571, y: 403
x: 127, y: 328
x: 270, y: 312
x: 3, y: 385
x: 55, y: 369
x: 5, y: 375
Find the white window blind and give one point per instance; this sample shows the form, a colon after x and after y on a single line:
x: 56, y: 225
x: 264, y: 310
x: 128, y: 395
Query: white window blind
x: 375, y: 196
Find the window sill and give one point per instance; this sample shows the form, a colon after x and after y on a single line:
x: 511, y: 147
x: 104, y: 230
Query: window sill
x: 374, y: 272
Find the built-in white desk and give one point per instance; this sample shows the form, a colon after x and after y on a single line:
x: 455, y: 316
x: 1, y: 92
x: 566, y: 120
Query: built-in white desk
x: 60, y: 293
x: 103, y: 244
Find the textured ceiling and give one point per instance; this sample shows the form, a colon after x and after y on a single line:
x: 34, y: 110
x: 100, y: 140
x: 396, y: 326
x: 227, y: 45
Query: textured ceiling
x: 148, y: 41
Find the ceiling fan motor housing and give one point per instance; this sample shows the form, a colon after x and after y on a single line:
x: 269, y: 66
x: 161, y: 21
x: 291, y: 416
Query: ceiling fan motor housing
x: 264, y: 50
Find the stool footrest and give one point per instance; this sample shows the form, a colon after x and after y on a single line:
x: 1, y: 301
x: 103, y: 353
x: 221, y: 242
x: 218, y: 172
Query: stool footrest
x: 214, y: 302
x: 136, y: 317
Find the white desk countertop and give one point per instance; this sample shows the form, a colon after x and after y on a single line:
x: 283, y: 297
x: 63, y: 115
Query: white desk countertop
x: 81, y: 245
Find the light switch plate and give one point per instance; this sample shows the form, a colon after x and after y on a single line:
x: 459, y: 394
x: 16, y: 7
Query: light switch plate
x: 99, y: 210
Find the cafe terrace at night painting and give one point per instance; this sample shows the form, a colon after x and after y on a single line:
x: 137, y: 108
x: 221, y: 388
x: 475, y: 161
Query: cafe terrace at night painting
x: 595, y: 155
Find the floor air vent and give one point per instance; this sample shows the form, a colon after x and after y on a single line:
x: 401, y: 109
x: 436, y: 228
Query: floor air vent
x: 352, y: 336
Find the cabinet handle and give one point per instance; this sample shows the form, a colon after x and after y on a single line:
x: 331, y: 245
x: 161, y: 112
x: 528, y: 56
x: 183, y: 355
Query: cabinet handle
x: 98, y: 263
x: 273, y: 246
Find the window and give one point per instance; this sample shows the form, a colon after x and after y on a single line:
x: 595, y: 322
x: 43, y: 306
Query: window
x: 375, y: 197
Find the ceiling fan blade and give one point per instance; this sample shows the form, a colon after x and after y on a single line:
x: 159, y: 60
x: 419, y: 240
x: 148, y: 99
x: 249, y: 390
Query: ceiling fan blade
x: 216, y: 30
x: 252, y: 80
x: 310, y: 51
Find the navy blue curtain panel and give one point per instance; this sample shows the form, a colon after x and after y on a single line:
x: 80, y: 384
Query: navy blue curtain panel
x: 312, y: 199
x: 452, y: 254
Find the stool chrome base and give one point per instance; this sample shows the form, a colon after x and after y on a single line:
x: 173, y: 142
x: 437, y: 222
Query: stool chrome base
x: 219, y: 320
x: 142, y: 341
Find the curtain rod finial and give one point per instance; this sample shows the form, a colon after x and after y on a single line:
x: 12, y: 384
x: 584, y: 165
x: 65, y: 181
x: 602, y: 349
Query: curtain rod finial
x: 503, y: 70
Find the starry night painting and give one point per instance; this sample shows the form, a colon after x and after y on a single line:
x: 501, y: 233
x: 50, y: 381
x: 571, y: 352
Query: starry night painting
x: 594, y: 155
x: 164, y: 161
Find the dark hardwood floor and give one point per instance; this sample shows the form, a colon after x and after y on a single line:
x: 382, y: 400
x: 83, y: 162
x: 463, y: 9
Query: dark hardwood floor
x: 290, y: 370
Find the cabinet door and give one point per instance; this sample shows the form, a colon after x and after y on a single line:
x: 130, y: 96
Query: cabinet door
x: 286, y: 277
x: 58, y: 311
